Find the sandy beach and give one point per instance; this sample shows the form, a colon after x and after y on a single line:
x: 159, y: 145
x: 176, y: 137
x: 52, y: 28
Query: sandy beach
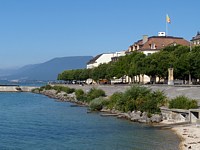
x: 190, y: 135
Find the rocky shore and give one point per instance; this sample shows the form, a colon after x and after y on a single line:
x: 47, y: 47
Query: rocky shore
x: 189, y: 134
x: 61, y: 96
x: 135, y: 116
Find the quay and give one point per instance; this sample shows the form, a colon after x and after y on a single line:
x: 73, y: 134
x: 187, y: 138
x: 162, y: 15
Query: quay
x: 16, y: 88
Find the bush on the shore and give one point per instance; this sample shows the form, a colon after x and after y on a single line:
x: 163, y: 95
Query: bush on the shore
x: 137, y: 98
x: 80, y: 95
x: 64, y: 89
x: 94, y: 93
x: 183, y: 102
x: 57, y: 88
x: 91, y: 95
x: 47, y: 87
x: 114, y: 99
x: 97, y: 104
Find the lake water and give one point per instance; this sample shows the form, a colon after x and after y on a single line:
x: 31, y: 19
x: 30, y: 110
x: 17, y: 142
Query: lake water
x: 30, y: 122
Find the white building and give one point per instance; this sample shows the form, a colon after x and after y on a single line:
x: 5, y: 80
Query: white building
x: 104, y: 58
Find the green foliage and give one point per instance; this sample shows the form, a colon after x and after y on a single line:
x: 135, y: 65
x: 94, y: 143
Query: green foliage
x: 80, y: 95
x: 136, y: 91
x: 195, y: 62
x: 48, y: 87
x: 35, y: 90
x: 57, y: 88
x: 151, y: 102
x: 99, y: 72
x: 63, y: 89
x: 88, y: 97
x: 114, y: 99
x: 95, y: 93
x: 183, y: 61
x: 97, y: 104
x: 182, y: 102
x: 137, y: 98
x: 45, y: 87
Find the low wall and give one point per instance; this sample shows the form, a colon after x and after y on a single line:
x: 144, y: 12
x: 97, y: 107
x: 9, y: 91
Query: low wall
x: 16, y: 88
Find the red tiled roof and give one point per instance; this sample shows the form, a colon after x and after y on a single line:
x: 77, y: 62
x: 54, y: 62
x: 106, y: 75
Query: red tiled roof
x: 163, y: 41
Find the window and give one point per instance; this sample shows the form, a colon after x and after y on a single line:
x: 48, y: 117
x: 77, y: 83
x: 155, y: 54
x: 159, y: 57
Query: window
x: 153, y: 46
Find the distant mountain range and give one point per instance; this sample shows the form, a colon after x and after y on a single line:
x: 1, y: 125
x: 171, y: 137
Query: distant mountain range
x: 46, y: 71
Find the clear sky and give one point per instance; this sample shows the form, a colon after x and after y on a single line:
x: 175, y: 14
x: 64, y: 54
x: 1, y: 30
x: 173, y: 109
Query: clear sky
x: 34, y: 31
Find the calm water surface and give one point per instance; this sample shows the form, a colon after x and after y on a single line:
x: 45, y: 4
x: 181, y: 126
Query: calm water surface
x: 30, y: 121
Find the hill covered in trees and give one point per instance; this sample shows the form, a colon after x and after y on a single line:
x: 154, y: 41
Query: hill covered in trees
x: 50, y: 69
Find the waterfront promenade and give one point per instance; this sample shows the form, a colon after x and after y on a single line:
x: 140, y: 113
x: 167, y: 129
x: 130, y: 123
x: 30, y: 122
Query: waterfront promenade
x: 170, y: 91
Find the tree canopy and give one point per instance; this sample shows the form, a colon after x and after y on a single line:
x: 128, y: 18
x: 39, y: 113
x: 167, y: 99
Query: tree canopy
x: 184, y: 60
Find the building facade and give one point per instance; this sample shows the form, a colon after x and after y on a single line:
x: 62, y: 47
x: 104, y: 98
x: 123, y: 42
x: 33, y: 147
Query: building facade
x: 149, y: 45
x: 104, y: 58
x: 196, y: 39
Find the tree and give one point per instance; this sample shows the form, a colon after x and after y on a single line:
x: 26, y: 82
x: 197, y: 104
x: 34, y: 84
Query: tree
x: 195, y: 62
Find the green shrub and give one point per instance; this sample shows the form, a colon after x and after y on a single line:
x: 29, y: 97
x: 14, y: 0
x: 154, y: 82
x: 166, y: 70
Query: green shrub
x: 35, y: 90
x: 153, y: 101
x: 137, y: 98
x: 64, y: 89
x: 70, y: 90
x: 97, y: 104
x: 132, y: 98
x: 182, y: 102
x: 95, y: 93
x: 48, y: 87
x: 136, y: 91
x: 80, y: 95
x: 113, y: 100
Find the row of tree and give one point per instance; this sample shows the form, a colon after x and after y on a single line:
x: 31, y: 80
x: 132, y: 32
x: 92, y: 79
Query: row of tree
x: 183, y: 59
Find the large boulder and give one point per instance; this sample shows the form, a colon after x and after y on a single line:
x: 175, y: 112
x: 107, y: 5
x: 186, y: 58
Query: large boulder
x: 144, y: 118
x: 135, y: 116
x: 156, y: 118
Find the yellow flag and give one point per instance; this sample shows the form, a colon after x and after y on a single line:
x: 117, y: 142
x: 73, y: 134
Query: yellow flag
x: 168, y: 19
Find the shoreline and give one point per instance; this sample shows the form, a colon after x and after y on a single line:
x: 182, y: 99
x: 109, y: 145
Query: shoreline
x: 187, y: 140
x: 189, y: 135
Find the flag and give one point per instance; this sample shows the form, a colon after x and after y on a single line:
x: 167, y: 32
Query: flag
x: 168, y: 20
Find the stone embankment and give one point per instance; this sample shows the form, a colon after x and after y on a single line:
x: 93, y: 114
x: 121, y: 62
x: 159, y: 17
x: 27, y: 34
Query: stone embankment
x: 15, y: 88
x: 135, y: 116
x: 61, y: 96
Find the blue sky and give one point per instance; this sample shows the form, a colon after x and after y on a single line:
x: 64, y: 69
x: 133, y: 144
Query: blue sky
x: 34, y: 31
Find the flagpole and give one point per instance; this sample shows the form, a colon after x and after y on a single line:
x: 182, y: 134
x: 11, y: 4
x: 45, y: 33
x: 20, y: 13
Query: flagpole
x: 166, y: 25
